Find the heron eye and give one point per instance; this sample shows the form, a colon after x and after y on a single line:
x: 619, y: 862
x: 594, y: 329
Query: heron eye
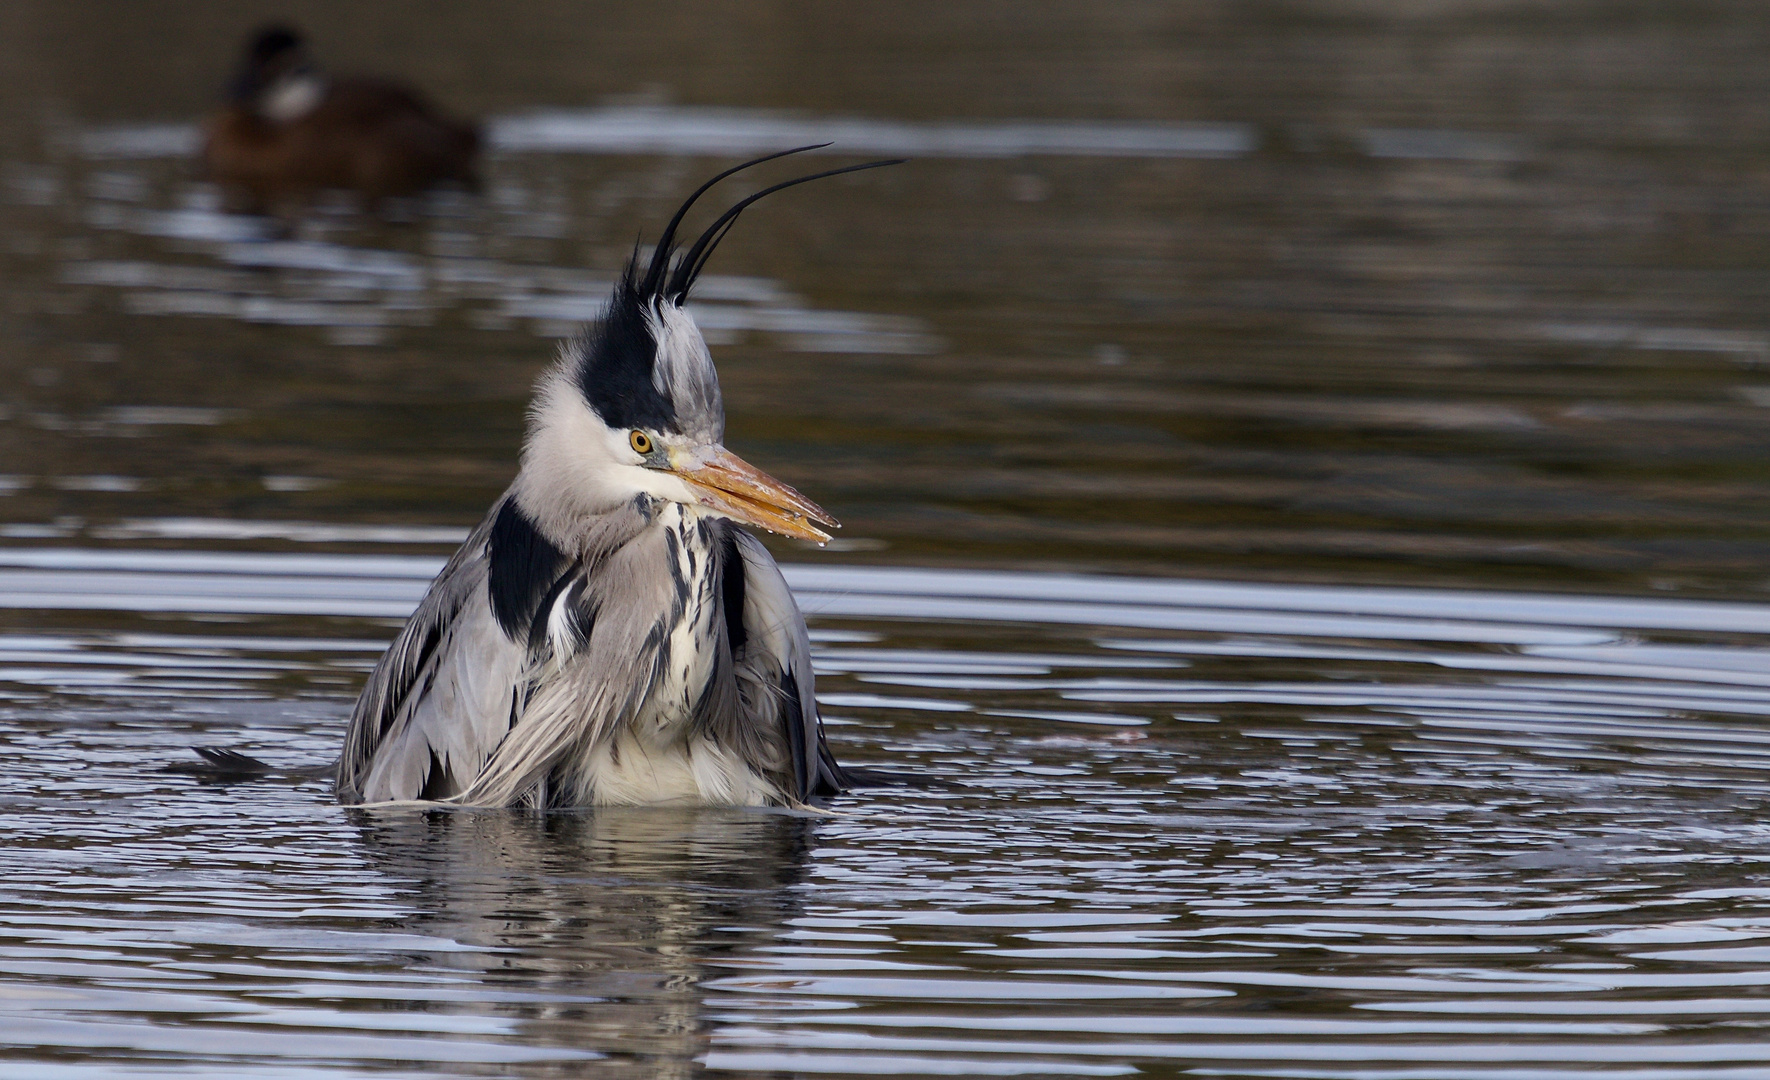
x: 640, y: 441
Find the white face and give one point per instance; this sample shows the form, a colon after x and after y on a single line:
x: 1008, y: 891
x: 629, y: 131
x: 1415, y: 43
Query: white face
x: 574, y: 465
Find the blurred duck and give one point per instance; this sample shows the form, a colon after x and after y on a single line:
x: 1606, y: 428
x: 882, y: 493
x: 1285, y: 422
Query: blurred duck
x: 288, y: 130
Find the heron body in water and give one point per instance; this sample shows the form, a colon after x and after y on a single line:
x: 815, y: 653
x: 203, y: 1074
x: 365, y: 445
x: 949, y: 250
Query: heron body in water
x: 610, y: 633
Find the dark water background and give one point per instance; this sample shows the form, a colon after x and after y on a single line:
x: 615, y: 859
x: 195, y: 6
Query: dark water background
x: 1480, y: 298
x: 1303, y: 473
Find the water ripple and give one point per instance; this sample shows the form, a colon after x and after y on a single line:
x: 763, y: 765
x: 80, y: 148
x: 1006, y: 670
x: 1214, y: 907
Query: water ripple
x: 1357, y: 834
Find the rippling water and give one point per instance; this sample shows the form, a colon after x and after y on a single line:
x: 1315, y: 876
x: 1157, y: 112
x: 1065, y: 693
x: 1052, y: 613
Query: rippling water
x: 1305, y: 477
x: 1234, y: 829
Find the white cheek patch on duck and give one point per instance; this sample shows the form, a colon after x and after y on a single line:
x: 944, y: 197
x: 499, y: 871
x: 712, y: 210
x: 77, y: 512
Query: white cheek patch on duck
x: 292, y: 97
x: 683, y: 372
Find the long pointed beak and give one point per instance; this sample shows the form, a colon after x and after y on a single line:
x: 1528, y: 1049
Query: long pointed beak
x: 737, y: 489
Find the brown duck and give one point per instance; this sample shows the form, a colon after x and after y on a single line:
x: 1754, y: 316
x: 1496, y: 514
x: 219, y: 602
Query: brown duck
x: 288, y: 131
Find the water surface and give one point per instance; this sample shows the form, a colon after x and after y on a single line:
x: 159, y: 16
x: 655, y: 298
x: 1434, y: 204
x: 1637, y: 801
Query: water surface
x: 1224, y: 829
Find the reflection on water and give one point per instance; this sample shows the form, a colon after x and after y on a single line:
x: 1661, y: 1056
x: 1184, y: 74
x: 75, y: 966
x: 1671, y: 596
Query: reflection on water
x: 1236, y: 829
x: 358, y: 295
x: 594, y: 930
x: 747, y: 132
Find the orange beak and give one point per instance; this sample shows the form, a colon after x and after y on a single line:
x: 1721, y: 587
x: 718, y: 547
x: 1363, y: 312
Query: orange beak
x: 739, y: 490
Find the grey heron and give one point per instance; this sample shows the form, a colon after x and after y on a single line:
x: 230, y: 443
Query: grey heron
x: 610, y: 634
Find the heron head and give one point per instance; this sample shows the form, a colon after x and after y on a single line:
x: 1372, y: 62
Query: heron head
x: 634, y: 407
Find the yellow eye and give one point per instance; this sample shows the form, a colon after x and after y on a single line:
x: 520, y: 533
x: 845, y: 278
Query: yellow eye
x: 640, y: 441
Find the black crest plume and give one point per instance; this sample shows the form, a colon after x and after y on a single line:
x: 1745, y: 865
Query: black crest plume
x: 660, y: 283
x: 615, y: 363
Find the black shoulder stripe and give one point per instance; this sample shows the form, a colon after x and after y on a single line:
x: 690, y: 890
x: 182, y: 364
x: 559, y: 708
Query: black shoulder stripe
x: 731, y: 588
x: 524, y: 567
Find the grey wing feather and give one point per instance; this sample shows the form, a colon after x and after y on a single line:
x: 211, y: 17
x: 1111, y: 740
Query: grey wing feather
x: 440, y: 698
x: 774, y: 673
